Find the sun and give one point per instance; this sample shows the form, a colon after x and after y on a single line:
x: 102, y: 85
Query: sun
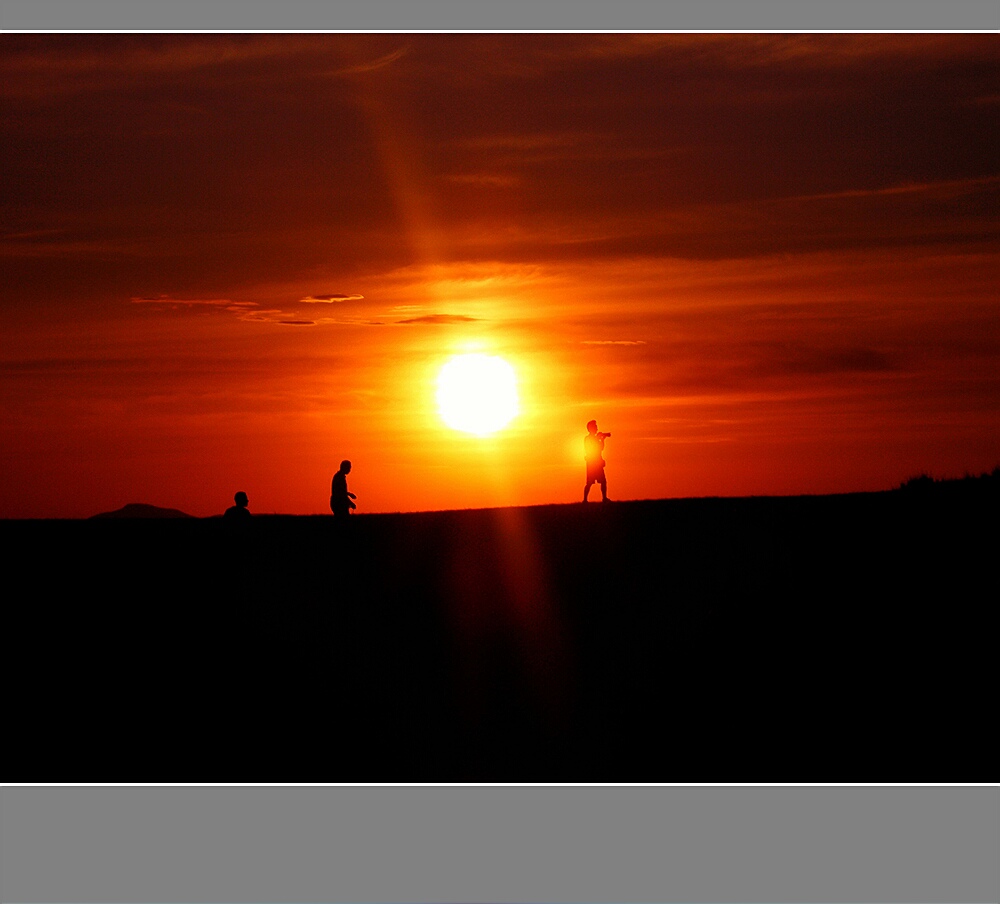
x: 477, y: 393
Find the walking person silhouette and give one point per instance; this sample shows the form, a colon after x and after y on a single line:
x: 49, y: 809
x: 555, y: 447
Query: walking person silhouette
x: 340, y: 500
x: 593, y: 453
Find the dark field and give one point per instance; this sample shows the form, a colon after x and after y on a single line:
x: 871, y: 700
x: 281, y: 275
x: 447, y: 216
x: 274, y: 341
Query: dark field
x: 677, y: 640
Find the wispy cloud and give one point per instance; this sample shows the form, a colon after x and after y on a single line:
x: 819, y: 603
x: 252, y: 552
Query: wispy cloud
x: 52, y: 243
x: 789, y: 359
x: 33, y: 63
x: 944, y: 189
x: 246, y: 311
x: 332, y: 298
x: 441, y: 318
x: 180, y: 303
x: 372, y: 65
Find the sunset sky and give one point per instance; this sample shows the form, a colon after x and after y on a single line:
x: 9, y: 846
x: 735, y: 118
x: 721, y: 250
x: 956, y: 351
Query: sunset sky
x: 766, y: 263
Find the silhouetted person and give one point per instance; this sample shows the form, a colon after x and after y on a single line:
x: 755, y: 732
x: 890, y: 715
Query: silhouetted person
x: 238, y: 512
x: 340, y: 499
x: 593, y: 449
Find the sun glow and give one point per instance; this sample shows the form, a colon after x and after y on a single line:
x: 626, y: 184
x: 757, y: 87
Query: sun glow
x: 477, y: 393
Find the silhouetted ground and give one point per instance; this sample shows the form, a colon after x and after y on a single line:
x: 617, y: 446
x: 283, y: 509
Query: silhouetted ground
x: 679, y: 640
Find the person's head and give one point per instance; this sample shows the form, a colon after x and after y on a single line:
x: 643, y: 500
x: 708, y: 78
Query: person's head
x: 241, y: 499
x: 592, y: 426
x: 345, y: 466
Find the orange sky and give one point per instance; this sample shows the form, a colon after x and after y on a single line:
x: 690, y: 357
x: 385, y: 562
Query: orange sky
x: 765, y: 263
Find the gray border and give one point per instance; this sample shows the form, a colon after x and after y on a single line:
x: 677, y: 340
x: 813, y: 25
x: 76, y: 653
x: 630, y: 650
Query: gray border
x: 517, y: 15
x: 499, y: 844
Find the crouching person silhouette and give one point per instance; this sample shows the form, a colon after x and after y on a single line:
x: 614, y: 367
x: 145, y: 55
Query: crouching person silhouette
x: 340, y: 500
x: 238, y: 512
x: 593, y: 453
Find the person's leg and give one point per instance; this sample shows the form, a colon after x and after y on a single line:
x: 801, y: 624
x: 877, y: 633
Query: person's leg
x: 586, y: 492
x: 604, y: 488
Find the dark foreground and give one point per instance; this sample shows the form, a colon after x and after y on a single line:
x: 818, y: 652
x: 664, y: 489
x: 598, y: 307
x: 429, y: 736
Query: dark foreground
x: 682, y: 640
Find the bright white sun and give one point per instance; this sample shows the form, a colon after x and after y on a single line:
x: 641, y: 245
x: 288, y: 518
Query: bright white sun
x: 477, y: 393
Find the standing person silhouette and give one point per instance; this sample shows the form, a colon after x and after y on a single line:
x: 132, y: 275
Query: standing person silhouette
x: 340, y: 499
x: 593, y: 449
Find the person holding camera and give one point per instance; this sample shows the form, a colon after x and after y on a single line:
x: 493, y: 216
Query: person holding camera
x: 593, y: 449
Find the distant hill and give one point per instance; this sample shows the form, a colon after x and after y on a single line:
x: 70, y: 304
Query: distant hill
x: 142, y: 510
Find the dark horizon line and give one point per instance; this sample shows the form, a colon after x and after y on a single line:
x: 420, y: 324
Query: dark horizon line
x: 922, y: 480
